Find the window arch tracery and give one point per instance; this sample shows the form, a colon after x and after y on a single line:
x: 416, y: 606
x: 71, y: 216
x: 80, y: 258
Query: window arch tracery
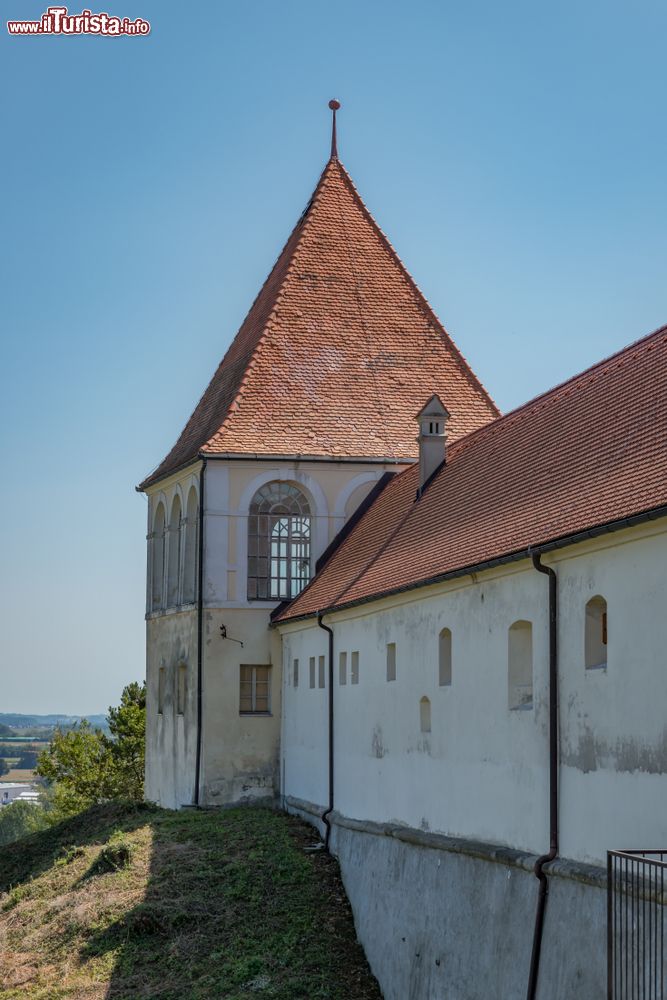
x: 279, y: 540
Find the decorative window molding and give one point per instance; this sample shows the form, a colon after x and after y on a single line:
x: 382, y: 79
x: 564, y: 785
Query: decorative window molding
x: 158, y: 558
x: 279, y: 542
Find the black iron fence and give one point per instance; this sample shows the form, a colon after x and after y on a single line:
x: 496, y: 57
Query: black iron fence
x: 636, y: 960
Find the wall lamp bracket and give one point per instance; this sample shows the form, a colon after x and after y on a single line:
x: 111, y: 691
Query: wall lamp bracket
x: 223, y: 635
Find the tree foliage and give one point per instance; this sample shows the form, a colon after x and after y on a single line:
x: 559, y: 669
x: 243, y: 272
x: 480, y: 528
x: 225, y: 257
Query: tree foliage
x: 86, y: 767
x: 18, y: 819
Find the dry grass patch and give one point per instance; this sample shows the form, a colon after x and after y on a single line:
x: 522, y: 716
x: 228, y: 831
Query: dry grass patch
x: 141, y: 904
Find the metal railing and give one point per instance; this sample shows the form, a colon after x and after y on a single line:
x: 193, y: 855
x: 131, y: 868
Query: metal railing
x: 636, y: 960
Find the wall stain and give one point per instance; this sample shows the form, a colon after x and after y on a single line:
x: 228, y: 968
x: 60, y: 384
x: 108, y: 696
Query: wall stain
x: 377, y: 746
x: 593, y: 753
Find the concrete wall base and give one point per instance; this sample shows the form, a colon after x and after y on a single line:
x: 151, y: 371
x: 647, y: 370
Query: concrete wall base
x: 446, y: 919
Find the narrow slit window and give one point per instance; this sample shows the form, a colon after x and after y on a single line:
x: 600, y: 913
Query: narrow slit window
x: 520, y: 665
x: 425, y: 715
x: 342, y: 668
x: 445, y: 658
x: 320, y: 672
x: 182, y: 688
x: 354, y: 668
x: 295, y: 673
x: 255, y: 689
x: 161, y: 686
x: 391, y: 661
x: 311, y: 665
x: 596, y: 634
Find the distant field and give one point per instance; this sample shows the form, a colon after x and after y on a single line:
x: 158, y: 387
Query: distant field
x: 18, y: 775
x: 145, y: 904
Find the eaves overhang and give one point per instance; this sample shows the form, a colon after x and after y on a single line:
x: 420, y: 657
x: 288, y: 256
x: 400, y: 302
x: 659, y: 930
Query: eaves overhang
x: 510, y: 557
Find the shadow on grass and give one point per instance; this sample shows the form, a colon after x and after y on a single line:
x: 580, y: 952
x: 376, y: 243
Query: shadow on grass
x: 30, y: 857
x: 234, y: 907
x: 137, y: 903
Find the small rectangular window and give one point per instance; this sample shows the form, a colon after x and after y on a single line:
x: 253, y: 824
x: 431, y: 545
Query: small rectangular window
x: 342, y: 668
x: 391, y: 661
x: 311, y: 665
x: 161, y: 683
x: 321, y: 672
x: 182, y: 688
x: 295, y: 673
x: 354, y: 668
x: 255, y: 689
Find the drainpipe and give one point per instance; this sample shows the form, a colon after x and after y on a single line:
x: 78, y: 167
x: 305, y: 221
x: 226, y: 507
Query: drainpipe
x: 200, y: 627
x: 325, y: 816
x: 553, y: 776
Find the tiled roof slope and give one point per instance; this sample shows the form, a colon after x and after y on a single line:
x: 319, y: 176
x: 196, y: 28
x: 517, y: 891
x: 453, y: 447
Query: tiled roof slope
x: 589, y: 452
x: 338, y: 352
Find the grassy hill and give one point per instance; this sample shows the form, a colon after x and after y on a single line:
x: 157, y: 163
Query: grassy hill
x: 134, y: 903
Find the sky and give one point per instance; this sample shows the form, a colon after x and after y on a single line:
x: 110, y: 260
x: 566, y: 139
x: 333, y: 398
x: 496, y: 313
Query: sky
x: 513, y: 153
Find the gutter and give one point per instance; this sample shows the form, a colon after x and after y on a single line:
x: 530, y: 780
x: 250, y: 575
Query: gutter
x: 329, y: 810
x: 526, y: 553
x: 229, y: 456
x: 200, y: 629
x: 546, y: 859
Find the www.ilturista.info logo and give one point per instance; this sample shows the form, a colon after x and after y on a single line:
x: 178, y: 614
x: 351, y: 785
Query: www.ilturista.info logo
x: 56, y: 21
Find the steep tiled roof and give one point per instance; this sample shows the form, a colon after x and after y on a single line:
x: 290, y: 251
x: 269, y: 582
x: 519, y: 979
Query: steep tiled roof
x: 338, y: 352
x: 589, y: 452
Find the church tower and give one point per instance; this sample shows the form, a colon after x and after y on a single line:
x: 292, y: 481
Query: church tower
x: 310, y: 409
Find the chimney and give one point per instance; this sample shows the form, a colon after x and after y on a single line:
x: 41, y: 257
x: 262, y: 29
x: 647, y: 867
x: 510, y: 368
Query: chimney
x: 432, y: 439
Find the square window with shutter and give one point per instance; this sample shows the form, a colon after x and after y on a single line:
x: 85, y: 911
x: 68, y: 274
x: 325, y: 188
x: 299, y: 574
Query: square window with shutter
x: 255, y: 689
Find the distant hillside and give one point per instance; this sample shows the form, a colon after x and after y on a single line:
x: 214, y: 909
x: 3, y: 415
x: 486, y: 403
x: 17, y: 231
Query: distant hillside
x: 18, y: 721
x: 138, y: 902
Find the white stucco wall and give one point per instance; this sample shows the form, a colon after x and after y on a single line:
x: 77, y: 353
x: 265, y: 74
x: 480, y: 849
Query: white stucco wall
x: 240, y: 754
x: 482, y: 772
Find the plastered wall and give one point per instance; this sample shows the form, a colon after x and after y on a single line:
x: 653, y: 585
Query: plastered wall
x: 482, y: 771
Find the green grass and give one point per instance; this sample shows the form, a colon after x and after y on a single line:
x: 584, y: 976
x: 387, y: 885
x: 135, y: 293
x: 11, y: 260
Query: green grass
x: 135, y: 902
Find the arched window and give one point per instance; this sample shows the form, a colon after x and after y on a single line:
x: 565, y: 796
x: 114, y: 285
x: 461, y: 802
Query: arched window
x: 157, y: 570
x: 425, y: 715
x: 174, y: 554
x: 596, y: 633
x: 445, y: 658
x: 278, y: 542
x: 191, y: 553
x: 520, y: 665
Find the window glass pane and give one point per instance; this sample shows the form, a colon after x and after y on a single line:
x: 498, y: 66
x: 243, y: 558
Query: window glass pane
x: 279, y: 527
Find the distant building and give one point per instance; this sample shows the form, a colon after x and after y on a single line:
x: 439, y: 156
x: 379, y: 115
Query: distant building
x: 11, y: 791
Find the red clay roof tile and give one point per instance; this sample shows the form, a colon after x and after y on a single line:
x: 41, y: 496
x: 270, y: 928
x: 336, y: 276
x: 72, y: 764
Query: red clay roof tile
x: 587, y: 453
x: 337, y: 353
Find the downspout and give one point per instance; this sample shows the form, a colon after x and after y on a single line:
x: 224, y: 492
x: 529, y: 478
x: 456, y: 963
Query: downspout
x: 553, y: 776
x: 329, y: 810
x: 200, y: 627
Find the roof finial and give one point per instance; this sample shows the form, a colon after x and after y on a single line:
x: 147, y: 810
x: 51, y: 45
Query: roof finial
x: 334, y: 105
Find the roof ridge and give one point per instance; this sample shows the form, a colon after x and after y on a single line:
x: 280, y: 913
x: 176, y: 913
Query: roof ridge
x: 421, y: 298
x: 301, y: 226
x: 524, y: 409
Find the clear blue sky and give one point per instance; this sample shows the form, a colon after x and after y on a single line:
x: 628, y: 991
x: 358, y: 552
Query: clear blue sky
x: 513, y: 152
